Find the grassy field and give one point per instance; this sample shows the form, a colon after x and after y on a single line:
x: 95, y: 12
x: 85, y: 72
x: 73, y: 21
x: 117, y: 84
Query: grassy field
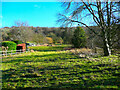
x: 59, y: 69
x: 50, y: 48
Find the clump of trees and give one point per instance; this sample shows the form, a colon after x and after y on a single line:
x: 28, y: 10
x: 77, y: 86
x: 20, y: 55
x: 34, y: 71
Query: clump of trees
x: 21, y: 32
x: 49, y: 40
x: 79, y: 38
x: 38, y: 38
x: 25, y: 33
x: 56, y: 39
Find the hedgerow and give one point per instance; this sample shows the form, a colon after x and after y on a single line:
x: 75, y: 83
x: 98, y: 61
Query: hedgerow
x: 10, y: 44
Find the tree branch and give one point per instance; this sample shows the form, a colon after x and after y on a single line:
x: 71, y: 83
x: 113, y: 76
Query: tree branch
x: 92, y: 12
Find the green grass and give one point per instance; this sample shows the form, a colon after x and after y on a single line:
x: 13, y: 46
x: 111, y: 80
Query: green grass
x: 49, y: 48
x: 59, y: 69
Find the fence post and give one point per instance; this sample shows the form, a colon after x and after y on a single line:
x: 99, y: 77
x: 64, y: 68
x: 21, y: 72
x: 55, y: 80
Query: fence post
x: 10, y: 52
x: 20, y: 51
x: 6, y: 52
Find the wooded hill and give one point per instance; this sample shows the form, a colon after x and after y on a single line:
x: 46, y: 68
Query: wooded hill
x: 63, y: 34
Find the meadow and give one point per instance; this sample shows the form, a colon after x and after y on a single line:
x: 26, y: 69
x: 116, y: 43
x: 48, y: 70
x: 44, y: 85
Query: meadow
x: 50, y: 48
x: 56, y: 68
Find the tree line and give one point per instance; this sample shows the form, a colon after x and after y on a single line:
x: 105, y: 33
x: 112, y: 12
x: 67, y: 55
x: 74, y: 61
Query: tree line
x: 61, y: 35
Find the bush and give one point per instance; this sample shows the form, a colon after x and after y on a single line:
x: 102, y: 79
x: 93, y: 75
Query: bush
x: 79, y: 38
x: 11, y: 45
x: 83, y: 52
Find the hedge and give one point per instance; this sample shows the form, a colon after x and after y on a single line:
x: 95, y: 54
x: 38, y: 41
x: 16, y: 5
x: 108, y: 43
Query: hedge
x: 11, y: 45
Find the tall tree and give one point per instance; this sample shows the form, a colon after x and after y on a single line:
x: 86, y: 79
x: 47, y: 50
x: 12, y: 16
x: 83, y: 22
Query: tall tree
x: 103, y: 14
x: 79, y: 38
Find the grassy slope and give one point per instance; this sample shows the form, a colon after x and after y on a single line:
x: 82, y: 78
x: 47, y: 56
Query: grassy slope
x: 55, y: 69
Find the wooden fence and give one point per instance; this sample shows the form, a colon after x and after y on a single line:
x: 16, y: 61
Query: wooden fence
x: 12, y: 52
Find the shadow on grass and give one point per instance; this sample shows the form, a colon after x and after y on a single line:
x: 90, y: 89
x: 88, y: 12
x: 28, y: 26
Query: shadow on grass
x: 32, y: 73
x: 49, y: 48
x: 47, y: 57
x: 46, y: 88
x: 90, y: 83
x: 7, y: 74
x: 84, y: 84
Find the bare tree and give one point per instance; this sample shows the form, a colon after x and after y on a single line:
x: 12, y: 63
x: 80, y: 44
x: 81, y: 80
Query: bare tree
x: 21, y: 32
x: 103, y: 14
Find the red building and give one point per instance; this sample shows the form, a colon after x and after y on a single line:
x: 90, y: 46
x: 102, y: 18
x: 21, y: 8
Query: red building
x: 21, y: 47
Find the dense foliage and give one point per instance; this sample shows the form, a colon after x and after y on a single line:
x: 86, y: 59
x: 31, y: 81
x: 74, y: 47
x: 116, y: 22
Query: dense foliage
x: 11, y: 45
x: 79, y: 38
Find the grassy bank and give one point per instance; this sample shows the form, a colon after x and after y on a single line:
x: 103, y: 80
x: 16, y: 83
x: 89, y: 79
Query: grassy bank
x: 59, y: 69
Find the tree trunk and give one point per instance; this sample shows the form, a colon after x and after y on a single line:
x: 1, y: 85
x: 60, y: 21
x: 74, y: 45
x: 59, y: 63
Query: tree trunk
x: 106, y: 47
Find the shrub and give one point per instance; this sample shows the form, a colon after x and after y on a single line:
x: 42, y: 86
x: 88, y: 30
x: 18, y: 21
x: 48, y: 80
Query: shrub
x: 79, y: 38
x: 83, y: 52
x: 11, y: 45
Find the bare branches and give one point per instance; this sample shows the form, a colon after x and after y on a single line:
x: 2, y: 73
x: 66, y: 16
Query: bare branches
x: 20, y: 23
x: 92, y: 12
x: 66, y: 19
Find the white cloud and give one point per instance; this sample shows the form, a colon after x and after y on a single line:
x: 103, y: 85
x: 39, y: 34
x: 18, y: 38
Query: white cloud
x: 37, y: 6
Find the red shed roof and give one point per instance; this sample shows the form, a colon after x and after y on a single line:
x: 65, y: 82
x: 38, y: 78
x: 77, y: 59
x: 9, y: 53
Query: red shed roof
x: 21, y: 44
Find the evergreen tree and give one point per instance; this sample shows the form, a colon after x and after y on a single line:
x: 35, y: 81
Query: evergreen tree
x: 79, y: 38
